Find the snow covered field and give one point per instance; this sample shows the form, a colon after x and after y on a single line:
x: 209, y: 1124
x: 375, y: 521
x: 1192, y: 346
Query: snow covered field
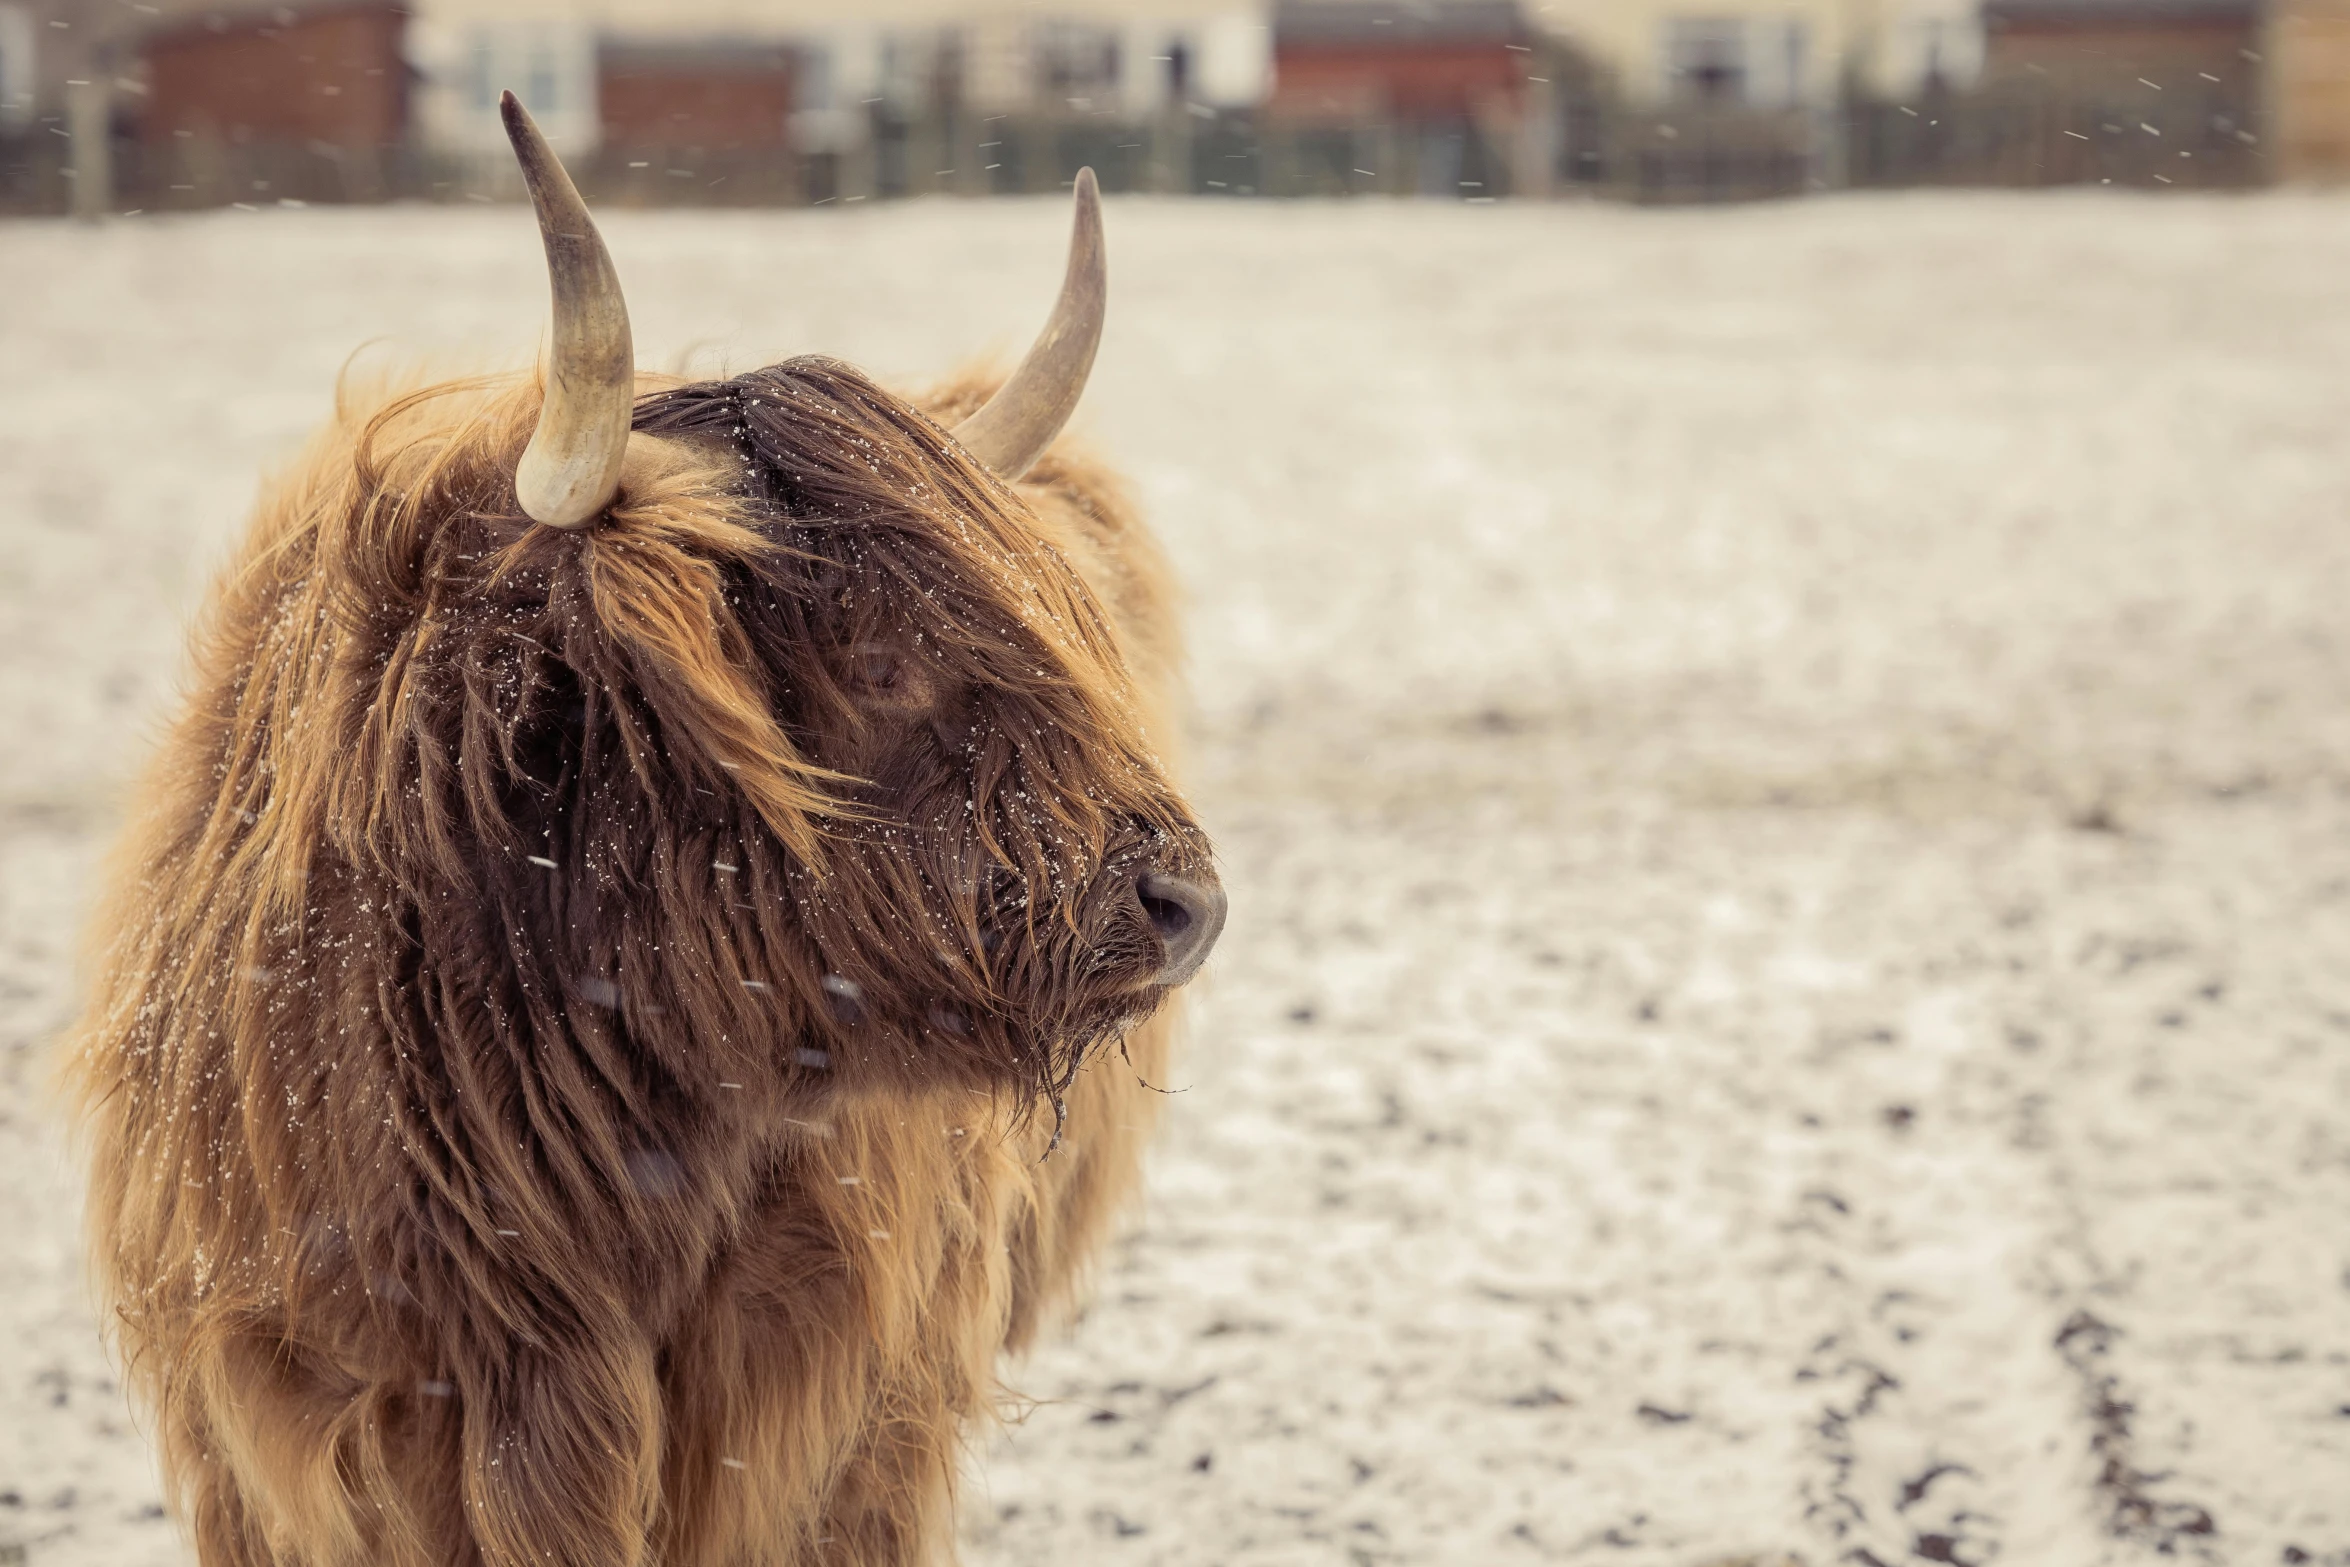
x: 1785, y: 781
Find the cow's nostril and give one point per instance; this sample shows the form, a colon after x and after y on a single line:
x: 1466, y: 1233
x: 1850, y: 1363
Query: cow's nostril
x: 1187, y: 915
x: 1169, y: 918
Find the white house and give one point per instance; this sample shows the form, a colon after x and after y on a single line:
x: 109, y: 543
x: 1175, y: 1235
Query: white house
x: 1136, y: 56
x: 465, y: 61
x: 1771, y: 53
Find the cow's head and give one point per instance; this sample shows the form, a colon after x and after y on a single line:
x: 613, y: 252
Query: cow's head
x: 704, y: 718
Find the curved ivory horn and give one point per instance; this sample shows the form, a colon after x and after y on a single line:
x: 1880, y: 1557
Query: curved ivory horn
x: 1011, y: 431
x: 571, y: 470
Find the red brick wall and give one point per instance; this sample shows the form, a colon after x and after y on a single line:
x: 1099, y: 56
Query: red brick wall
x: 2167, y: 53
x: 1422, y: 82
x: 333, y: 76
x: 678, y: 105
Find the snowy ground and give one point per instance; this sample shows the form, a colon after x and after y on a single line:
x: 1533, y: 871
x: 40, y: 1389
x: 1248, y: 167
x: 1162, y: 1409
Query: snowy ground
x: 1785, y: 780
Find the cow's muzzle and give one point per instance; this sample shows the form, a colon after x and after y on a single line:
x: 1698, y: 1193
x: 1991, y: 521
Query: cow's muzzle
x: 1187, y: 915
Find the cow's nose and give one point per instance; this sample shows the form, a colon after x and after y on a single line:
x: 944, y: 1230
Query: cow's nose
x: 1188, y: 916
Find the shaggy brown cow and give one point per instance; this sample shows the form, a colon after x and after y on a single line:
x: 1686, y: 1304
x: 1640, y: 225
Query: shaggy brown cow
x: 635, y: 975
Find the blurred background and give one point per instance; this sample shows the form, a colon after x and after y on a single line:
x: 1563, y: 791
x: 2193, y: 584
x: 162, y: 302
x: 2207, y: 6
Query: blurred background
x: 1766, y: 593
x: 111, y: 105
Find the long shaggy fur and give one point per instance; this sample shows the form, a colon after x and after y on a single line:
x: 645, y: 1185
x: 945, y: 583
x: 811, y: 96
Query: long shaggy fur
x: 601, y: 1039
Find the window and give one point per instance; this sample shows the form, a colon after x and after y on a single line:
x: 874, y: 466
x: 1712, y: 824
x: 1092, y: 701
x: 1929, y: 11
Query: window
x: 1076, y: 61
x: 16, y: 67
x: 550, y: 67
x: 482, y: 75
x: 812, y: 84
x: 1778, y: 59
x: 542, y: 78
x: 1705, y: 59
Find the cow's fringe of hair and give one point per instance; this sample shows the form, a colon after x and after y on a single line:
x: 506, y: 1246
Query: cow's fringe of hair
x: 448, y: 1216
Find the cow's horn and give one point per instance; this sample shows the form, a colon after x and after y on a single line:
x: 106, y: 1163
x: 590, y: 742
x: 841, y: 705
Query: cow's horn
x: 1010, y: 432
x: 571, y: 470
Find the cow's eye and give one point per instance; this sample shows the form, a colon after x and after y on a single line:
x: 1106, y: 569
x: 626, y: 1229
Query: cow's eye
x: 891, y: 680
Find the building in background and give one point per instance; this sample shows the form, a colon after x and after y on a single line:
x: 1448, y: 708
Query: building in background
x: 1722, y: 99
x: 650, y: 100
x: 1917, y: 48
x: 2151, y: 93
x: 191, y: 102
x: 721, y: 104
x: 331, y: 73
x: 463, y: 63
x: 290, y: 102
x: 1365, y: 59
x: 2306, y: 51
x: 2098, y: 44
x: 887, y: 96
x: 1772, y: 54
x: 1389, y: 95
x: 2139, y: 92
x: 989, y: 98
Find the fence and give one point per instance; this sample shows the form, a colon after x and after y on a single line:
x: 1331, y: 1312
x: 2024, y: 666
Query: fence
x: 1588, y: 144
x: 1696, y: 153
x: 2014, y: 135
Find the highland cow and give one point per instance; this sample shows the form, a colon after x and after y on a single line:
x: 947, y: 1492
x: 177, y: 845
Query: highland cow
x: 636, y: 976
